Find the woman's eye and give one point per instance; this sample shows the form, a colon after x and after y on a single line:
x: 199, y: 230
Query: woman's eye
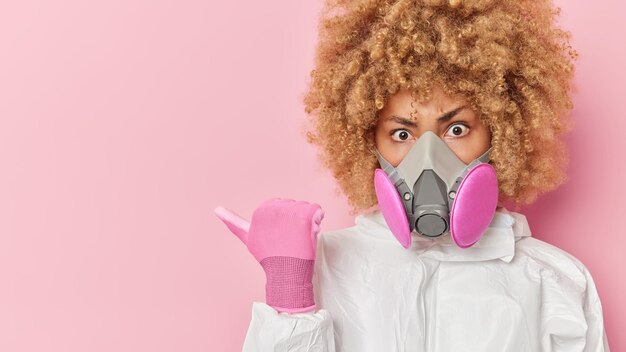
x: 400, y: 135
x: 457, y: 130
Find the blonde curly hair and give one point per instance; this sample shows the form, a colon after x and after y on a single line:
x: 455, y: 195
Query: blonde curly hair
x: 506, y: 57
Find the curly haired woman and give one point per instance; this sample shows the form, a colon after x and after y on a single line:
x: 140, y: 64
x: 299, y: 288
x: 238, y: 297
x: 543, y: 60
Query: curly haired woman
x: 430, y: 115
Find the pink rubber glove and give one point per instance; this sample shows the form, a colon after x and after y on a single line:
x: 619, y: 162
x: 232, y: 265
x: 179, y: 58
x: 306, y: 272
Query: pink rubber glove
x: 282, y: 237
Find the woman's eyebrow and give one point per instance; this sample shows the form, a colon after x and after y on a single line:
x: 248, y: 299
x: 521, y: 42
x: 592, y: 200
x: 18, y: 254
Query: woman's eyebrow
x: 442, y: 119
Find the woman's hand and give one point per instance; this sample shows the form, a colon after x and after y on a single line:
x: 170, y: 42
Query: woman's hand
x: 282, y: 236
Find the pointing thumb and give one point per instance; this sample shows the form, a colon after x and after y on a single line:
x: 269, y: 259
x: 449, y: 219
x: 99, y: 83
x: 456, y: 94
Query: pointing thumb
x: 235, y: 223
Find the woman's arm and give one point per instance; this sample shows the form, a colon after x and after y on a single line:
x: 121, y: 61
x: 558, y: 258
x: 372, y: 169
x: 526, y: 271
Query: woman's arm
x: 596, y: 335
x: 571, y: 309
x: 270, y: 330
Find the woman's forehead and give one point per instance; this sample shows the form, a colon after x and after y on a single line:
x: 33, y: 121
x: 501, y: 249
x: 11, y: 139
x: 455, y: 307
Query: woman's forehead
x: 404, y: 103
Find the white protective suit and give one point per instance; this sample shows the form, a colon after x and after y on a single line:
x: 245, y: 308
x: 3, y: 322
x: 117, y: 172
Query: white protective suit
x: 509, y: 292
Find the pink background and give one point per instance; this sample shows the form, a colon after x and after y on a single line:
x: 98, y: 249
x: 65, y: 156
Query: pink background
x: 124, y: 123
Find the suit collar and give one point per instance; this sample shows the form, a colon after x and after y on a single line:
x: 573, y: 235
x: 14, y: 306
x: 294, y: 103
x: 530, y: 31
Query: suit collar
x: 498, y: 242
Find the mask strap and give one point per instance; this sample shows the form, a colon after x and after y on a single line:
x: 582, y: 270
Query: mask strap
x: 391, y: 171
x: 485, y: 157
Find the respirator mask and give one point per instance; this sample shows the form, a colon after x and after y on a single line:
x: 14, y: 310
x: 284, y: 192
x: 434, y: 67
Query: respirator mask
x: 433, y: 192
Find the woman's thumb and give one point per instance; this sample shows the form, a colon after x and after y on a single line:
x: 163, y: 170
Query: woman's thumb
x: 235, y: 223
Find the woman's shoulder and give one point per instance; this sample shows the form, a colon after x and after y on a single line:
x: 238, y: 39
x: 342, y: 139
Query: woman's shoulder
x: 547, y: 257
x: 367, y: 229
x: 349, y: 239
x: 551, y: 260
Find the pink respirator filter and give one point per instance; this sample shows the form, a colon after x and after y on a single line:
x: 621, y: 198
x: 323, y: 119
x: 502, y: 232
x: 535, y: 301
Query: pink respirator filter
x: 471, y: 212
